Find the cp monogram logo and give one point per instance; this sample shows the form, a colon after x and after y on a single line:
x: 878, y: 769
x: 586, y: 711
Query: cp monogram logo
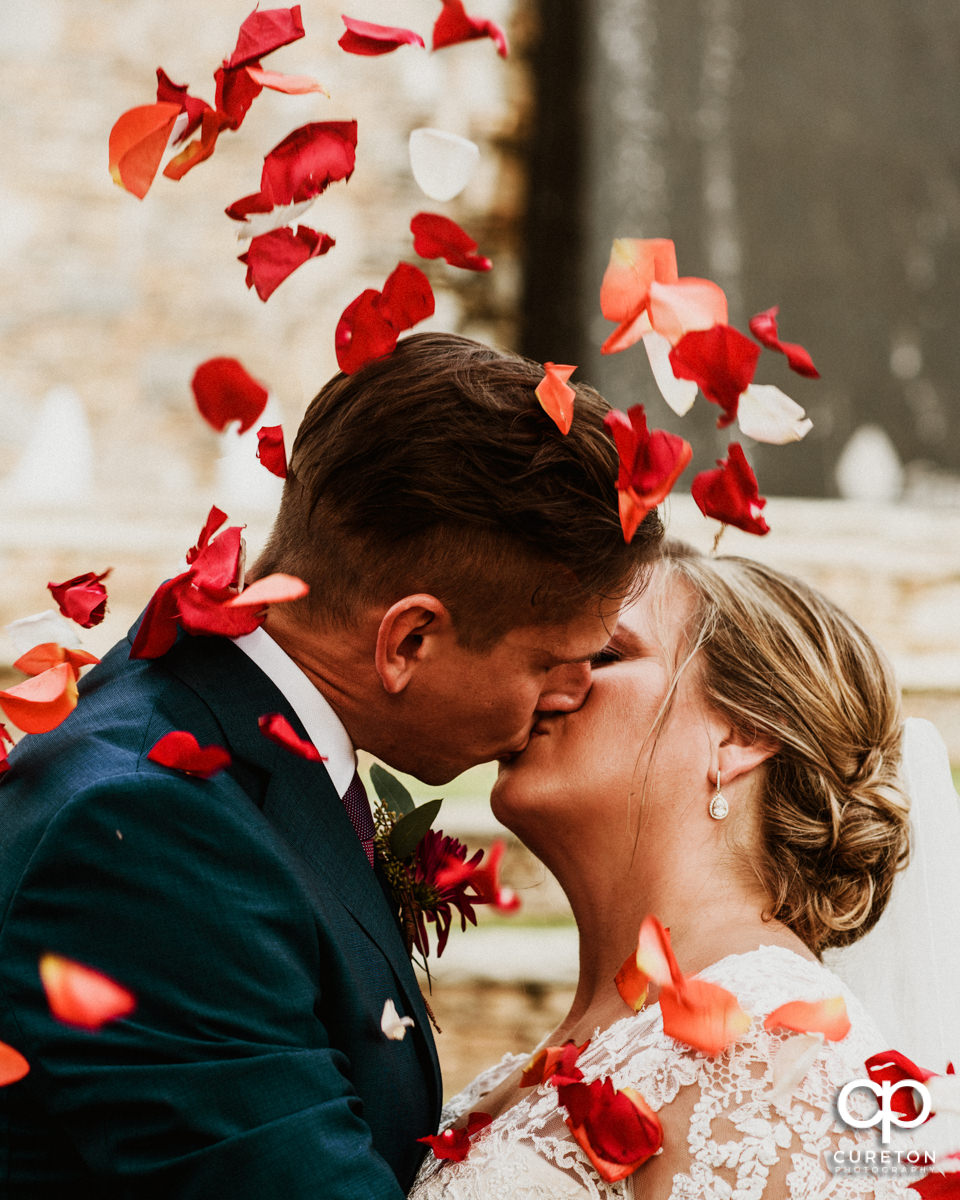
x: 887, y: 1115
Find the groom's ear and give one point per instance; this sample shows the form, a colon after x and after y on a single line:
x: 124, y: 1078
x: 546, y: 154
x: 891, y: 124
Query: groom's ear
x: 404, y: 637
x: 739, y: 753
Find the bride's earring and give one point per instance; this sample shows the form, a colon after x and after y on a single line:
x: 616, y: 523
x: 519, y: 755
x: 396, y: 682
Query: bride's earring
x: 718, y: 805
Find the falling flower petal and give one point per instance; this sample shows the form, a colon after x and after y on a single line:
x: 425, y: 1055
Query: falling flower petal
x: 766, y: 414
x: 215, y: 518
x: 937, y: 1185
x: 455, y: 25
x: 236, y: 90
x: 436, y: 236
x: 78, y: 995
x: 632, y: 984
x: 764, y: 328
x: 556, y: 395
x: 407, y: 298
x: 362, y: 37
x: 263, y: 32
x: 254, y: 224
x: 442, y: 163
x: 200, y: 148
x: 169, y: 92
x: 290, y: 85
x: 827, y: 1016
x: 634, y: 264
x: 43, y: 701
x: 271, y: 450
x: 729, y: 493
x: 13, y: 1065
x: 47, y: 626
x: 271, y: 589
x: 791, y: 1063
x: 454, y: 1144
x: 277, y: 728
x: 273, y: 256
x: 617, y: 1129
x: 225, y: 392
x: 890, y: 1066
x: 83, y: 599
x: 678, y: 393
x: 721, y: 361
x: 685, y: 306
x: 308, y: 160
x: 157, y: 630
x: 42, y: 657
x: 654, y: 954
x: 363, y: 333
x: 180, y: 750
x: 5, y: 741
x: 650, y: 463
x: 393, y: 1025
x: 137, y: 142
x: 702, y: 1015
x: 556, y: 1064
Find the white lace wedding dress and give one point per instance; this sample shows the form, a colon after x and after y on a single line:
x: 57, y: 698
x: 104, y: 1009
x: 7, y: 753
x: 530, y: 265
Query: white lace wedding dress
x: 741, y: 1146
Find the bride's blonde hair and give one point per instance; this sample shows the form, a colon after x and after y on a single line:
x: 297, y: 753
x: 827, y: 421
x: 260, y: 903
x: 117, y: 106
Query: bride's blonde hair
x: 783, y: 663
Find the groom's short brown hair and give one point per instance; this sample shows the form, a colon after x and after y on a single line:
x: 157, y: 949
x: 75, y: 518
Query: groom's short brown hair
x: 436, y: 470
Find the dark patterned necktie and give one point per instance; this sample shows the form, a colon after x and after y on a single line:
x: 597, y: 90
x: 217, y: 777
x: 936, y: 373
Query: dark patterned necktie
x: 358, y: 810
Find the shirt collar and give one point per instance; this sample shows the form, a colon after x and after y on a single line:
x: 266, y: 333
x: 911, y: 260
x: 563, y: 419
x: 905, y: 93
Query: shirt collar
x: 323, y: 726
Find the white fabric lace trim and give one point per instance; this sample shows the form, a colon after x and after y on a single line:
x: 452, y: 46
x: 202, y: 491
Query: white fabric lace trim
x: 740, y: 1144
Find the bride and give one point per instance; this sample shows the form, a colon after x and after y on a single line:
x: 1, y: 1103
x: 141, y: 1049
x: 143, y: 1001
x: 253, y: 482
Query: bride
x: 733, y: 775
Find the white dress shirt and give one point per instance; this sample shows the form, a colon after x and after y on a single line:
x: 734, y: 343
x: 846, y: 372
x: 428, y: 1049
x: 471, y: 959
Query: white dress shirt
x: 324, y: 728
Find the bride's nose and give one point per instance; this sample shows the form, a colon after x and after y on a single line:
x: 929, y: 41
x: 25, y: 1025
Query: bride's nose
x: 566, y: 688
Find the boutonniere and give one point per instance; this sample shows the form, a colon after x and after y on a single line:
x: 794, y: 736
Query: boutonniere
x: 430, y: 874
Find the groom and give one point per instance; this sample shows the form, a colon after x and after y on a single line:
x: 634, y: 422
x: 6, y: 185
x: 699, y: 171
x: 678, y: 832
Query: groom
x: 465, y: 561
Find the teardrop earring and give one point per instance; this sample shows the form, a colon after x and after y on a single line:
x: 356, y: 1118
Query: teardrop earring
x: 718, y: 805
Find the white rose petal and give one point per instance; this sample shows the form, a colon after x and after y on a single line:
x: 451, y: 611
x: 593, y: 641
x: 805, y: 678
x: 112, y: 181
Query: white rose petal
x: 283, y: 214
x: 768, y: 415
x: 442, y: 163
x: 393, y: 1025
x: 790, y: 1064
x: 42, y: 627
x: 678, y: 393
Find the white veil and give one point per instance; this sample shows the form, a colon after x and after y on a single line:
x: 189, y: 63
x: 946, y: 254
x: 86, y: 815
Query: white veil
x: 906, y: 970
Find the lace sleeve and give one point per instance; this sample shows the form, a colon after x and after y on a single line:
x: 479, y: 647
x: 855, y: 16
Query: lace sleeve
x: 726, y: 1136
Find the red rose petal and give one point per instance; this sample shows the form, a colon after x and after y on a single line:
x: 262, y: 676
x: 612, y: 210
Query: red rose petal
x: 83, y: 599
x: 43, y: 701
x: 362, y: 37
x: 308, y: 160
x: 263, y: 32
x: 236, y: 90
x: 650, y: 464
x: 78, y: 995
x: 271, y: 450
x: 278, y: 729
x: 363, y: 333
x: 764, y: 328
x: 169, y: 92
x: 13, y: 1065
x: 454, y: 25
x: 729, y: 493
x: 180, y: 750
x: 454, y: 1144
x: 137, y: 142
x: 407, y: 297
x: 273, y: 256
x: 436, y: 236
x: 5, y: 741
x: 721, y: 360
x: 890, y: 1066
x: 617, y: 1129
x: 556, y: 396
x: 215, y: 518
x: 158, y: 627
x: 225, y: 392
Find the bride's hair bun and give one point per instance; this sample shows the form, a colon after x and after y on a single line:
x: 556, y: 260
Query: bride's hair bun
x: 785, y: 664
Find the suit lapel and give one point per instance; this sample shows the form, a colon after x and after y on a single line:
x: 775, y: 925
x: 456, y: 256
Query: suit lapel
x: 298, y: 798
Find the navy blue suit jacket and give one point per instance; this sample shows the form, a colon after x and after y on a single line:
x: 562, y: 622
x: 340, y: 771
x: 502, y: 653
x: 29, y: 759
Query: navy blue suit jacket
x: 243, y: 915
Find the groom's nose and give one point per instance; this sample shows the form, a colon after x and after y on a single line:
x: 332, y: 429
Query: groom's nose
x: 566, y: 688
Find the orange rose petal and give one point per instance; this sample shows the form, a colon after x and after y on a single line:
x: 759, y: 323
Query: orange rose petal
x: 271, y: 589
x: 200, y: 149
x: 137, y: 142
x: 13, y: 1065
x: 685, y: 306
x: 292, y: 85
x: 632, y: 984
x: 49, y: 654
x: 702, y: 1015
x: 827, y: 1016
x: 78, y: 995
x: 556, y: 396
x: 627, y: 334
x: 634, y: 264
x: 655, y: 955
x: 43, y: 701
